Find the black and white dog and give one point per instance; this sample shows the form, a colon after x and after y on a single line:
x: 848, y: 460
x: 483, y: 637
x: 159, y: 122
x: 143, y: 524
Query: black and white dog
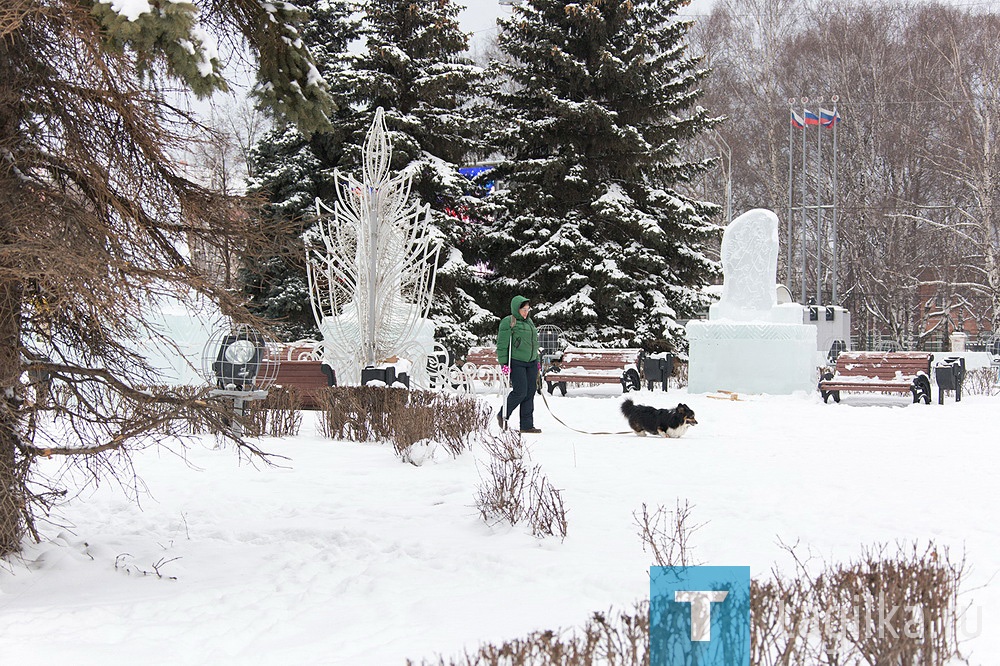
x: 665, y: 422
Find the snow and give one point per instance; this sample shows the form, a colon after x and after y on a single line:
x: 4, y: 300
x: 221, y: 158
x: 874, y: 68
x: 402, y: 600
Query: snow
x: 345, y: 555
x: 129, y: 9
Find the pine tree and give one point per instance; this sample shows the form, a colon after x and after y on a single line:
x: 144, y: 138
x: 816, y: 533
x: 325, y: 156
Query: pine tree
x: 292, y: 169
x: 412, y: 66
x: 597, y: 98
x: 93, y: 208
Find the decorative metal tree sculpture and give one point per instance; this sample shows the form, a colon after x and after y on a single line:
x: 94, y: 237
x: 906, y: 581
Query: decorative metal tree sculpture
x: 372, y: 279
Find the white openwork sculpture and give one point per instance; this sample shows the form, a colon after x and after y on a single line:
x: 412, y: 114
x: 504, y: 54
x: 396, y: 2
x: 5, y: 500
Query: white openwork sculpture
x: 750, y: 343
x: 372, y: 281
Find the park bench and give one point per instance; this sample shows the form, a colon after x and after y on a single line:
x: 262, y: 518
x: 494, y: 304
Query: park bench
x: 883, y: 372
x: 587, y: 365
x: 481, y: 365
x: 300, y: 367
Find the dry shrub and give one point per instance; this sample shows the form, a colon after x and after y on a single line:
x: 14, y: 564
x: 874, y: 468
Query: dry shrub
x: 501, y: 496
x: 546, y: 511
x: 681, y: 372
x: 618, y: 638
x: 191, y: 420
x: 980, y: 381
x: 278, y: 415
x: 514, y: 490
x: 899, y: 609
x: 831, y: 617
x: 403, y: 417
x: 667, y: 534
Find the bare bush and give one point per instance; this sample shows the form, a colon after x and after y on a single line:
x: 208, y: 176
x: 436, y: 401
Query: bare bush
x: 403, y: 417
x: 829, y: 617
x: 619, y: 638
x: 546, y: 511
x: 980, y: 381
x: 513, y: 489
x: 681, y: 373
x: 776, y: 622
x: 899, y: 608
x: 278, y: 415
x: 501, y: 495
x: 667, y: 534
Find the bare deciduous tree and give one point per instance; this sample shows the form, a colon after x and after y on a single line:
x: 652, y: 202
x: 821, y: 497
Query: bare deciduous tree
x: 967, y: 92
x: 917, y: 150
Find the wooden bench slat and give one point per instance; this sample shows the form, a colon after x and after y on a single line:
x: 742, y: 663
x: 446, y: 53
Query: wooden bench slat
x: 307, y: 376
x: 834, y: 386
x: 884, y: 372
x: 576, y: 376
x: 583, y: 365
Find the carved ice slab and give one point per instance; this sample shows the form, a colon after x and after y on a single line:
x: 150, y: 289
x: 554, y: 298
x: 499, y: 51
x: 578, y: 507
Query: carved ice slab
x: 749, y: 267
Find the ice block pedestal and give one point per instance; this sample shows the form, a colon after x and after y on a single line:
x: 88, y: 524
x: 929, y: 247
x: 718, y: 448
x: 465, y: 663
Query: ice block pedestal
x: 747, y: 357
x: 750, y: 343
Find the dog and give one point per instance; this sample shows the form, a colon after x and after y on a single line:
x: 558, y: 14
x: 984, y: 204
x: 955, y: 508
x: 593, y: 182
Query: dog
x: 664, y: 422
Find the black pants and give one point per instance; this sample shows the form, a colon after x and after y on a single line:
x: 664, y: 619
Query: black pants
x: 523, y: 379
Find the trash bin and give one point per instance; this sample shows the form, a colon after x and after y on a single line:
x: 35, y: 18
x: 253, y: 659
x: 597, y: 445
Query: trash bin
x: 386, y: 375
x: 949, y: 375
x: 657, y: 368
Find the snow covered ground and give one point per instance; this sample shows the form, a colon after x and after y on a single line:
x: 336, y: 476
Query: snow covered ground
x: 345, y: 555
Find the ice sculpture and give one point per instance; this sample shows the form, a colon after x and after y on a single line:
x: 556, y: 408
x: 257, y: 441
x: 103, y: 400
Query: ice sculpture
x: 372, y: 280
x: 749, y: 264
x: 750, y: 343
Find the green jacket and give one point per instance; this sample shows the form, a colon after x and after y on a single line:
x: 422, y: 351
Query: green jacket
x: 523, y: 334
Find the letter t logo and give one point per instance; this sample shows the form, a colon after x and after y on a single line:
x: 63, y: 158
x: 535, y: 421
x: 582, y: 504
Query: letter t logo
x: 701, y: 610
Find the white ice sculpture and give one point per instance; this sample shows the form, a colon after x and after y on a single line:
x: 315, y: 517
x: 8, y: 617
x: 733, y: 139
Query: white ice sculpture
x: 372, y: 282
x: 750, y: 343
x: 749, y: 263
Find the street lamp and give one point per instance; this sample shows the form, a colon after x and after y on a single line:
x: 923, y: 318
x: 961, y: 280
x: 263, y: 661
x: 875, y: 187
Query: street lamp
x: 726, y: 153
x: 243, y: 363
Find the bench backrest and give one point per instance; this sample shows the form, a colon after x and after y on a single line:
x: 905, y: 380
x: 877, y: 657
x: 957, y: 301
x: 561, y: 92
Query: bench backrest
x: 600, y: 358
x: 308, y: 377
x: 480, y: 356
x: 577, y: 356
x: 884, y: 365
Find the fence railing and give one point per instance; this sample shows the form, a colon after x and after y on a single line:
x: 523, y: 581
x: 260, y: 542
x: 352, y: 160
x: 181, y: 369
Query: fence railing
x: 984, y: 343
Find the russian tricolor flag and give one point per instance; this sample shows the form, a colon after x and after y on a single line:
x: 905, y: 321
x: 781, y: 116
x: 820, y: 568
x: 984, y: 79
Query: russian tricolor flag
x: 811, y: 118
x: 797, y: 121
x: 828, y: 118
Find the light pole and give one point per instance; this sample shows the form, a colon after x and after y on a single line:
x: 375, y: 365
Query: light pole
x: 726, y: 154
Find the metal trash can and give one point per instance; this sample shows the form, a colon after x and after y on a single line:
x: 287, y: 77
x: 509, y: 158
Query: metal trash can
x: 657, y: 368
x: 386, y: 375
x: 949, y: 375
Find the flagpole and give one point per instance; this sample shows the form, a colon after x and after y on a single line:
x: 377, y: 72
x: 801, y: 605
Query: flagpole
x: 819, y: 204
x: 788, y: 237
x: 805, y: 221
x: 836, y: 117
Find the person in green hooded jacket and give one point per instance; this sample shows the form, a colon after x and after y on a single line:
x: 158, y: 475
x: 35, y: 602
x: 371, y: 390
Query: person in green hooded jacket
x: 517, y: 347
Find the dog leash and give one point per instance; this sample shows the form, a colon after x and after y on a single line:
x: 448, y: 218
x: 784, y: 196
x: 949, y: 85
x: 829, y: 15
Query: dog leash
x: 583, y: 432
